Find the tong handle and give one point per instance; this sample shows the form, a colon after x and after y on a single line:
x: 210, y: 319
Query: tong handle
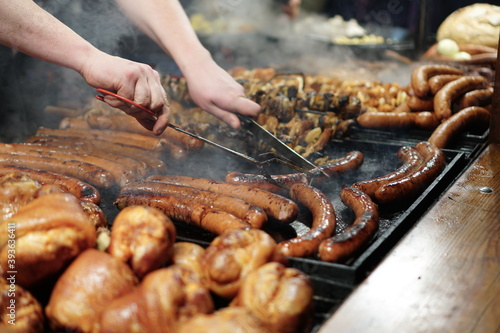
x: 123, y: 99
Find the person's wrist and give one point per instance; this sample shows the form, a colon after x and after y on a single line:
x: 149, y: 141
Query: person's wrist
x: 194, y: 62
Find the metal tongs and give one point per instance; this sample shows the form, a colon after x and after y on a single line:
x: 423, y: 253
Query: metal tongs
x: 284, y: 155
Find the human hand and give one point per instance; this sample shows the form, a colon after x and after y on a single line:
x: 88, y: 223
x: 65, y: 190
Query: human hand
x: 216, y: 92
x: 135, y: 81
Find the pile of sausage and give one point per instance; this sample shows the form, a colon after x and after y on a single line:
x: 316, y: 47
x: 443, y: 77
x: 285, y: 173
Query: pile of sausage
x: 443, y: 99
x: 104, y: 151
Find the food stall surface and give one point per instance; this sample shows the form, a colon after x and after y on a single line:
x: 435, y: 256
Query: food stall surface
x: 444, y: 274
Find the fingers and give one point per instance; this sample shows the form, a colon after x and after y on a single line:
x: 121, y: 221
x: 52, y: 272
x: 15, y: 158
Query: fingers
x: 239, y: 104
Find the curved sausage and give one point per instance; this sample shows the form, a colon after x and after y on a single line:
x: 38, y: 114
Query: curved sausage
x: 426, y: 120
x: 452, y: 90
x: 210, y: 219
x: 414, y: 183
x: 80, y: 189
x: 276, y: 206
x: 81, y: 170
x: 352, y: 161
x: 249, y: 213
x: 478, y: 97
x: 377, y: 119
x: 345, y: 245
x: 448, y: 129
x: 420, y: 104
x: 323, y: 222
x: 437, y: 82
x: 421, y: 75
x: 411, y: 158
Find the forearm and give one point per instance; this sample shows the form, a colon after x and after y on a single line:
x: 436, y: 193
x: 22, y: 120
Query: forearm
x: 166, y: 23
x: 29, y: 29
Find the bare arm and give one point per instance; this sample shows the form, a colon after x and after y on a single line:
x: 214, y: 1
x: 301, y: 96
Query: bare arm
x: 27, y: 28
x: 211, y: 87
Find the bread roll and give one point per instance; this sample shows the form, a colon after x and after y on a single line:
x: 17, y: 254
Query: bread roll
x: 475, y: 24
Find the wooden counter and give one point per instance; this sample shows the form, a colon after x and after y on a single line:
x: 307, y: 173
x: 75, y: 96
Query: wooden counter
x: 444, y: 275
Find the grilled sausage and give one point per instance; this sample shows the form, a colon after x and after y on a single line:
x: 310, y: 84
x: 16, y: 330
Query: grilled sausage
x: 121, y: 174
x: 347, y: 244
x: 452, y: 90
x: 276, y: 206
x: 151, y: 158
x: 134, y: 165
x: 81, y: 170
x: 249, y: 213
x: 377, y: 119
x: 411, y: 158
x: 263, y: 183
x: 82, y: 190
x: 420, y: 104
x: 437, y: 82
x: 323, y: 221
x: 349, y: 162
x: 421, y: 75
x: 426, y: 120
x: 210, y: 219
x: 125, y: 123
x: 477, y: 97
x: 448, y: 129
x: 415, y: 182
x: 133, y: 139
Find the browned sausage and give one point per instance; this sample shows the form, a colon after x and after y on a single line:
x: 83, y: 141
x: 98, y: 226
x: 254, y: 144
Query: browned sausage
x: 420, y: 104
x: 452, y: 90
x: 263, y: 183
x: 133, y: 139
x: 183, y: 209
x: 347, y: 244
x: 323, y: 222
x: 437, y: 82
x: 81, y: 190
x: 121, y: 174
x: 426, y: 120
x: 411, y: 158
x: 125, y: 123
x: 415, y: 182
x: 352, y: 161
x: 471, y: 116
x: 276, y: 206
x: 89, y: 146
x: 477, y: 97
x: 376, y: 119
x: 421, y: 75
x: 81, y: 170
x: 249, y: 213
